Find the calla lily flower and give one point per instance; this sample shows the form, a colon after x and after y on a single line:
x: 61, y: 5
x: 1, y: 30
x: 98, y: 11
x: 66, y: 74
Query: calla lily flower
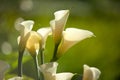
x: 24, y: 40
x: 58, y: 24
x: 24, y: 28
x: 71, y: 36
x: 44, y: 32
x: 49, y: 72
x: 65, y: 39
x: 33, y: 43
x: 30, y: 40
x: 3, y: 67
x: 91, y: 73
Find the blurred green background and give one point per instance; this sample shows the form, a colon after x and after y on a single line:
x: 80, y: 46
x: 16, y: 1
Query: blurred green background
x: 99, y: 16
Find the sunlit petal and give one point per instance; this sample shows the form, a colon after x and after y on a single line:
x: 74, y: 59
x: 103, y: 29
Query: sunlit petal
x: 44, y: 32
x: 74, y: 34
x: 26, y: 26
x: 96, y: 73
x: 58, y: 24
x: 64, y: 76
x: 49, y: 67
x: 61, y: 14
x: 49, y: 70
x: 71, y: 36
x: 33, y: 43
x: 91, y: 73
x: 18, y: 39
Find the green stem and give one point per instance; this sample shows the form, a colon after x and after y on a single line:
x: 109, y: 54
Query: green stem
x: 20, y: 64
x: 37, y: 67
x: 54, y: 58
x: 41, y: 62
x: 42, y: 56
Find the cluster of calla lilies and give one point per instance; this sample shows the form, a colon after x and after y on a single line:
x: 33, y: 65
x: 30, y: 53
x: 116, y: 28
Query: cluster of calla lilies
x: 35, y: 43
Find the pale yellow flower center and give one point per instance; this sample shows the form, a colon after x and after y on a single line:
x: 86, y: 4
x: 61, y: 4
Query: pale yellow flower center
x: 33, y: 43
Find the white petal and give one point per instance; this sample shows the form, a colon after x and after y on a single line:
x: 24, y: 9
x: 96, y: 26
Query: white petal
x: 49, y: 70
x: 71, y: 36
x: 49, y: 67
x: 16, y: 78
x: 28, y: 24
x: 49, y: 76
x: 58, y: 24
x: 18, y: 39
x: 44, y: 32
x: 74, y: 34
x: 52, y: 23
x: 60, y: 14
x: 33, y: 43
x: 96, y: 73
x: 91, y: 73
x: 64, y: 76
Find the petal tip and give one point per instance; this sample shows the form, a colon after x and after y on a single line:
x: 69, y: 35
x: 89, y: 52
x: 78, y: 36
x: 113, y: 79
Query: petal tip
x: 60, y: 14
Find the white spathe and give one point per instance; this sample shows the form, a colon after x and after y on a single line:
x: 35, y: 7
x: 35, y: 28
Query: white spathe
x: 61, y: 14
x: 49, y: 72
x: 64, y: 76
x: 33, y: 43
x: 3, y: 67
x: 91, y: 73
x: 71, y: 36
x: 58, y: 24
x: 24, y: 28
x: 44, y: 32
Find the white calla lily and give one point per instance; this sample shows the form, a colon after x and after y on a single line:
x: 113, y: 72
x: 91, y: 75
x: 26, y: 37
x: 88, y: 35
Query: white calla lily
x: 33, y: 43
x: 3, y: 67
x: 58, y: 24
x: 64, y: 76
x: 91, y: 73
x: 71, y: 36
x: 24, y: 28
x: 44, y: 32
x: 29, y: 40
x: 49, y: 72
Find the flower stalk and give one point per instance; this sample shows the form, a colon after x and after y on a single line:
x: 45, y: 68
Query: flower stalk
x: 54, y: 58
x: 41, y: 56
x: 37, y: 67
x: 20, y: 64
